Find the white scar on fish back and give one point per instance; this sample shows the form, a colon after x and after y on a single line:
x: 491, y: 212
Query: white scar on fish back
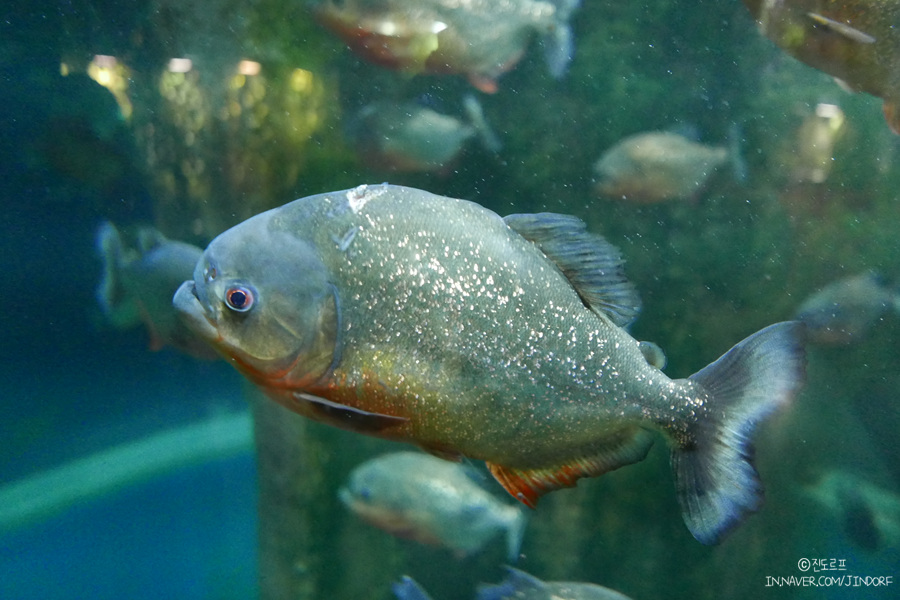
x: 359, y: 196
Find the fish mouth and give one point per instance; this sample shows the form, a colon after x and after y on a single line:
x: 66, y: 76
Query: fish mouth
x: 192, y: 312
x: 346, y: 497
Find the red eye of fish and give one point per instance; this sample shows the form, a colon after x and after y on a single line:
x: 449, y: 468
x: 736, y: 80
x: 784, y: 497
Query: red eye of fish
x: 240, y: 298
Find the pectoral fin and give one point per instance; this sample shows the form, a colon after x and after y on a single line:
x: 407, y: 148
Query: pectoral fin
x: 347, y: 417
x: 527, y: 485
x: 851, y: 33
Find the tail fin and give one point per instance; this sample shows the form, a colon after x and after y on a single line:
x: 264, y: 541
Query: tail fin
x: 408, y: 589
x: 109, y: 248
x: 716, y: 482
x: 558, y: 43
x: 518, y: 584
x: 736, y: 158
x: 475, y: 115
x: 515, y: 531
x: 119, y: 310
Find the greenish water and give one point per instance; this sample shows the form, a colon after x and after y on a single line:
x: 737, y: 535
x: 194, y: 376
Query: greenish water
x: 196, y: 153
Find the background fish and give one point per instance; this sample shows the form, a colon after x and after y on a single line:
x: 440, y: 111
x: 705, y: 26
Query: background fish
x: 856, y: 41
x: 656, y: 166
x: 433, y: 501
x: 481, y: 38
x: 520, y: 585
x: 809, y: 155
x: 138, y: 285
x: 408, y: 589
x: 398, y: 313
x: 411, y: 137
x: 844, y: 310
x: 866, y: 513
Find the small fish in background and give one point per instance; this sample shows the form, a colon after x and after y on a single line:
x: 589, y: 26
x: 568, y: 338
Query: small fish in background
x: 481, y: 39
x: 855, y: 41
x: 410, y: 137
x: 867, y: 514
x: 810, y: 157
x: 138, y: 285
x: 413, y: 317
x: 432, y: 501
x: 408, y: 589
x: 520, y: 585
x: 656, y: 166
x: 844, y: 310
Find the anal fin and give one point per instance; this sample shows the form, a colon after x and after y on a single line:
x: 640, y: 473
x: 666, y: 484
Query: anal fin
x: 892, y: 115
x: 623, y: 448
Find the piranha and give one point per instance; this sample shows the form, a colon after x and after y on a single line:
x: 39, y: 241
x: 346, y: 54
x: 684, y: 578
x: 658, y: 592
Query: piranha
x: 868, y: 514
x: 844, y: 310
x: 414, y: 317
x: 138, y: 285
x: 410, y: 137
x: 855, y: 41
x: 417, y: 496
x: 520, y: 585
x: 480, y: 39
x: 656, y: 166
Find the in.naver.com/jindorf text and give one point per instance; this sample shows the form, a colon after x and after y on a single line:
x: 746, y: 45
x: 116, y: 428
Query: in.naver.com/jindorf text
x: 826, y: 572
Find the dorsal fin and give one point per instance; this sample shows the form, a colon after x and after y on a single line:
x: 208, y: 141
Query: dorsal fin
x: 592, y: 265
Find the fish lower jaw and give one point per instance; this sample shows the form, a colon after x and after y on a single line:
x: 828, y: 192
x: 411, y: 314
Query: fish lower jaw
x: 193, y: 314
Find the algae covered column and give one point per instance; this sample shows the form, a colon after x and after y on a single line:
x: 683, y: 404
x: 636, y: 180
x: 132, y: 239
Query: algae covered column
x: 226, y: 102
x: 288, y: 456
x: 225, y: 111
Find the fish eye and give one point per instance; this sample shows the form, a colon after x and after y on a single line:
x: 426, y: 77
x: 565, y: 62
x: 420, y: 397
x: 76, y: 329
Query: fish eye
x: 240, y: 298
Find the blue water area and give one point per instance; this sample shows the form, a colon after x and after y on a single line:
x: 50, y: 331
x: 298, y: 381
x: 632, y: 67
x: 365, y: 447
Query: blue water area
x: 190, y: 534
